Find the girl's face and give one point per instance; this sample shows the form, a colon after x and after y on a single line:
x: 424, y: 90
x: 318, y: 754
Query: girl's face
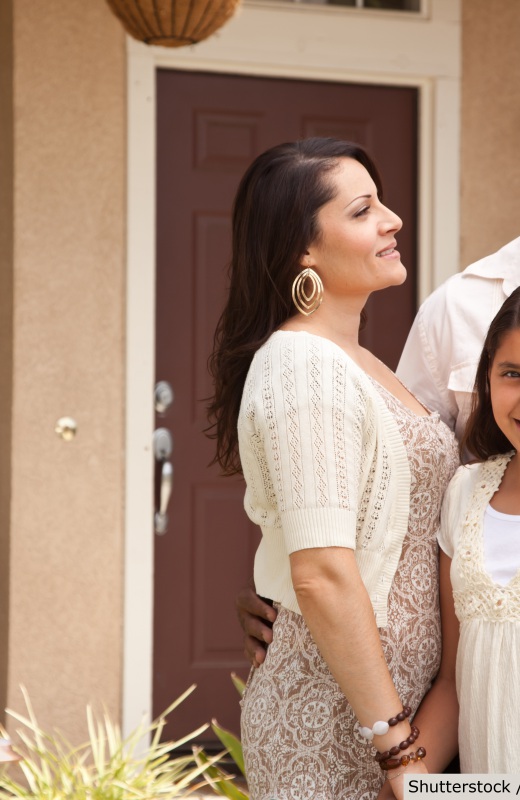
x: 504, y: 382
x: 355, y: 251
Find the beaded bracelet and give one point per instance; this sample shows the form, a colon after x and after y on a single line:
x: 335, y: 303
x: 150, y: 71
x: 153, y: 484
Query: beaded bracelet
x: 393, y: 777
x: 396, y: 749
x: 393, y: 763
x: 380, y: 727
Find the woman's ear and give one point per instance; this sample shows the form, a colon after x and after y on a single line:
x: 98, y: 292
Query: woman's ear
x: 306, y: 260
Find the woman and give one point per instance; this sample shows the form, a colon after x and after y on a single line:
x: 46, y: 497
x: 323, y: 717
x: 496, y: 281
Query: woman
x: 345, y: 472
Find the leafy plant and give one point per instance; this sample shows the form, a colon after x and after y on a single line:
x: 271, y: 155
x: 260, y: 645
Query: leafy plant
x: 238, y: 683
x: 107, y: 767
x: 220, y: 781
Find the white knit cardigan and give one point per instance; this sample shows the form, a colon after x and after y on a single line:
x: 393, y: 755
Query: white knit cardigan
x: 324, y: 464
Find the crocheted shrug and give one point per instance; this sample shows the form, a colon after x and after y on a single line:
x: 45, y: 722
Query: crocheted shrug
x: 324, y: 465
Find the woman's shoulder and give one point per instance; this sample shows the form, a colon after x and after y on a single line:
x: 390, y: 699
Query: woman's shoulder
x: 303, y: 348
x: 301, y: 363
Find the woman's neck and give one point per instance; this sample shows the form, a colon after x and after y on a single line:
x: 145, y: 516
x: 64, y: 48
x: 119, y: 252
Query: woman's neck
x: 340, y: 324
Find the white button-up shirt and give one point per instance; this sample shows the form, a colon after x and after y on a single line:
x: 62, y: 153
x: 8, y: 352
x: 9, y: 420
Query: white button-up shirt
x: 441, y: 355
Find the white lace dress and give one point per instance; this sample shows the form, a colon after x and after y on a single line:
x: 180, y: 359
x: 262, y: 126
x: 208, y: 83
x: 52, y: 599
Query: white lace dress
x: 298, y: 731
x: 488, y: 656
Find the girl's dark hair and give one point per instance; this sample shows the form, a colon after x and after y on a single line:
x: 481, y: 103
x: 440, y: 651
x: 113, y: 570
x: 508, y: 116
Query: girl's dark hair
x: 274, y: 222
x: 482, y: 436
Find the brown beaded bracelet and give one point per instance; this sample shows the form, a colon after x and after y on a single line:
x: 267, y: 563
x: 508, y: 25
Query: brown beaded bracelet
x: 396, y: 749
x: 393, y: 763
x: 404, y: 714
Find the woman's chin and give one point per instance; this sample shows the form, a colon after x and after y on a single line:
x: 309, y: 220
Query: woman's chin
x: 395, y: 277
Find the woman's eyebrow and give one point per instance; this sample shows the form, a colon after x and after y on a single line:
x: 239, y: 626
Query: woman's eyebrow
x: 360, y: 197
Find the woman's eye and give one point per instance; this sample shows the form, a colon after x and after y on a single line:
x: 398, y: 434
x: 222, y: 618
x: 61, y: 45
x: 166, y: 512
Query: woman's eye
x: 511, y: 374
x: 362, y: 211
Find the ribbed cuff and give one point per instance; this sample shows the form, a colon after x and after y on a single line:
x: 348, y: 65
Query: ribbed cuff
x: 319, y: 527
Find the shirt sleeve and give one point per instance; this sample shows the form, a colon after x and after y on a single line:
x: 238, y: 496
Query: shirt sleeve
x: 425, y: 361
x: 311, y: 419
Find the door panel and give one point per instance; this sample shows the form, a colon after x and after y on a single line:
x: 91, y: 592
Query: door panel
x: 209, y: 129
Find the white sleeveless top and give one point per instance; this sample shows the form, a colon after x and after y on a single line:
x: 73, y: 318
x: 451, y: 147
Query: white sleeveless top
x: 501, y: 545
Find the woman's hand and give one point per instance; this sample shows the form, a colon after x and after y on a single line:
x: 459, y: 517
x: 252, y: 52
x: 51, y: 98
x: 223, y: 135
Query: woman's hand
x: 385, y: 792
x: 256, y: 618
x: 393, y: 787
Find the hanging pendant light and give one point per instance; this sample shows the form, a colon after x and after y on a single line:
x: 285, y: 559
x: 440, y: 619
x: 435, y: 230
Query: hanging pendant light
x: 172, y: 23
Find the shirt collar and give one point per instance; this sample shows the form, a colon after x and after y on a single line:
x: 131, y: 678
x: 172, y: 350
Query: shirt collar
x: 503, y: 265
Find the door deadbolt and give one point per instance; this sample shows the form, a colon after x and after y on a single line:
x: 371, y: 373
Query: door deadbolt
x: 163, y: 396
x: 162, y: 444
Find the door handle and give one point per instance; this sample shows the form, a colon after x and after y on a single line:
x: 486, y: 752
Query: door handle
x: 162, y: 450
x: 165, y: 491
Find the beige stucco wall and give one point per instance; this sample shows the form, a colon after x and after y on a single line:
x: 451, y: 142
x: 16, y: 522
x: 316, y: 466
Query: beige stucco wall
x: 6, y: 323
x: 62, y: 233
x: 66, y: 510
x: 490, y: 166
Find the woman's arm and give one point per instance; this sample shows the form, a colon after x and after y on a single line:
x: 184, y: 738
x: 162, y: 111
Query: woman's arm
x: 438, y: 713
x: 337, y: 609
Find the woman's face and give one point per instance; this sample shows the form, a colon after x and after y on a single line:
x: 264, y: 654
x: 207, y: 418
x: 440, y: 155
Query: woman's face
x: 504, y: 382
x: 354, y: 252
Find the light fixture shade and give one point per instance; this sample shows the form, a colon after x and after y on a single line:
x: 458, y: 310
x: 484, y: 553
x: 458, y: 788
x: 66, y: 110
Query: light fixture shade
x: 172, y: 23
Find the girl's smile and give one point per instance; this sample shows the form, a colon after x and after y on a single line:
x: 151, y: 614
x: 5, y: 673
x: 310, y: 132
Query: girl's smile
x: 504, y: 381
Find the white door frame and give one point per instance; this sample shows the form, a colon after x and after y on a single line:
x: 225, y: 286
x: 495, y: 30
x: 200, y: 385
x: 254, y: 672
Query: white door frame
x: 290, y: 41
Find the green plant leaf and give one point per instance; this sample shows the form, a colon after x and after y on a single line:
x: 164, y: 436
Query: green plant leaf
x: 220, y: 781
x: 107, y: 767
x: 238, y: 683
x: 231, y: 743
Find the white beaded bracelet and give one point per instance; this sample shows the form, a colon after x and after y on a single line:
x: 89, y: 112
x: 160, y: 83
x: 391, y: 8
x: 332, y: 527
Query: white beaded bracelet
x: 379, y: 728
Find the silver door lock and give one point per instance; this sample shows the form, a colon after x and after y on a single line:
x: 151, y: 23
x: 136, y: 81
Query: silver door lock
x: 162, y: 444
x: 163, y: 396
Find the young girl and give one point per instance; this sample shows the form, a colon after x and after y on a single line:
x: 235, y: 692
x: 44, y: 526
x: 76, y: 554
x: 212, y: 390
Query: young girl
x: 480, y: 533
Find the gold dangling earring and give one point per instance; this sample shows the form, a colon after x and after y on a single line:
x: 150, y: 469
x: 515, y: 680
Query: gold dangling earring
x: 304, y: 302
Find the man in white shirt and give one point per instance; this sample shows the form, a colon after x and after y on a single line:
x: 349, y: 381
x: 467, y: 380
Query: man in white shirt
x: 440, y: 357
x: 438, y: 365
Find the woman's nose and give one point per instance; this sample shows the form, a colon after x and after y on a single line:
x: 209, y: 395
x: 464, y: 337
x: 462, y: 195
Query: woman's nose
x: 391, y: 221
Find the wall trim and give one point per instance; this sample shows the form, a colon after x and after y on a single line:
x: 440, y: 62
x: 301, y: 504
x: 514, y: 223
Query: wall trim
x: 291, y: 42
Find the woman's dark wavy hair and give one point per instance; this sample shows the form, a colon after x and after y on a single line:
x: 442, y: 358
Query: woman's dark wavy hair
x: 482, y: 436
x: 274, y: 222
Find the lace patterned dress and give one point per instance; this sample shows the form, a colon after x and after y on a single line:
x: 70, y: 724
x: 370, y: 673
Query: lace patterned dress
x: 299, y: 733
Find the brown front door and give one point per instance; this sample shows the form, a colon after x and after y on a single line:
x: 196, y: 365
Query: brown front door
x: 209, y: 128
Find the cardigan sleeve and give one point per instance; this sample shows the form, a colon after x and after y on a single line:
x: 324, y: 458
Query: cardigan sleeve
x: 310, y: 415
